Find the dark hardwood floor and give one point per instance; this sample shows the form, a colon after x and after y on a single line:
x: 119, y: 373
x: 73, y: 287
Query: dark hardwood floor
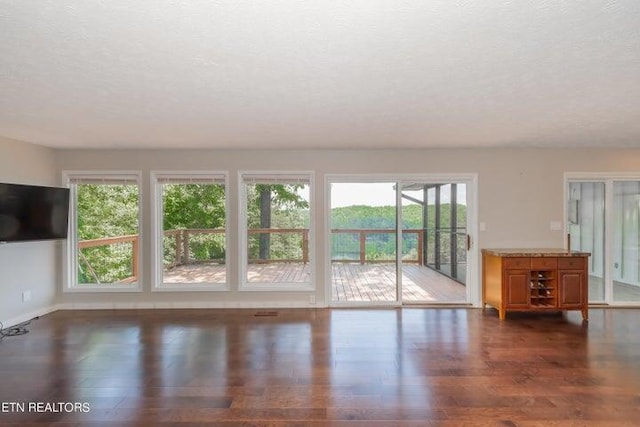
x: 412, y: 366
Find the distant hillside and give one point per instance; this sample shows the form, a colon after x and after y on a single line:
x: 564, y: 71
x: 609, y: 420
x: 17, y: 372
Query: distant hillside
x: 360, y: 216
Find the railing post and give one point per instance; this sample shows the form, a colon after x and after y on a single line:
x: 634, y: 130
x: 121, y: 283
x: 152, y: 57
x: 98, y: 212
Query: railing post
x: 185, y: 246
x: 134, y: 257
x: 363, y: 241
x: 305, y: 245
x: 178, y: 235
x: 420, y: 240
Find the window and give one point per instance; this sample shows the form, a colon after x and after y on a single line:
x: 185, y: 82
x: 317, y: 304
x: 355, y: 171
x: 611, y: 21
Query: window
x: 190, y: 236
x: 275, y: 231
x: 103, y: 249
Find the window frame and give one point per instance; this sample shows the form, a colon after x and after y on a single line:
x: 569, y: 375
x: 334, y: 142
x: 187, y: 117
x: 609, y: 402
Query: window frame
x: 70, y: 276
x: 158, y: 285
x: 243, y: 246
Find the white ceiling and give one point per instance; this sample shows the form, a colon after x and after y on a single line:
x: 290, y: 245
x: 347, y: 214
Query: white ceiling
x: 320, y: 73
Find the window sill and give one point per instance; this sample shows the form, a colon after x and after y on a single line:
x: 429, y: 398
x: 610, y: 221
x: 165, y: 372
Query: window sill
x: 103, y: 288
x: 192, y: 287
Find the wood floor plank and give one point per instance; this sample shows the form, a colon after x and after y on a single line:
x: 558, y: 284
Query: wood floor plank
x: 405, y: 367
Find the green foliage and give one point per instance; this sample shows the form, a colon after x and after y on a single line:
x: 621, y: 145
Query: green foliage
x: 382, y: 246
x: 193, y: 206
x: 106, y: 211
x: 288, y: 210
x: 384, y: 217
x: 287, y: 206
x: 112, y: 210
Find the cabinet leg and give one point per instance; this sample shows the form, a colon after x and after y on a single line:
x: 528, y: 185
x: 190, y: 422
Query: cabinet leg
x: 501, y: 314
x: 585, y: 314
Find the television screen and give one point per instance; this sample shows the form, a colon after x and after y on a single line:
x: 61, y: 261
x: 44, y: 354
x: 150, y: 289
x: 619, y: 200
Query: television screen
x: 30, y: 212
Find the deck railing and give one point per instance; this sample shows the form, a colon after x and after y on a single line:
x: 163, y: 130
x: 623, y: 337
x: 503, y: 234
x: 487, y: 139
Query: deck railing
x: 302, y: 240
x: 129, y: 243
x: 360, y: 244
x: 366, y: 245
x: 181, y: 242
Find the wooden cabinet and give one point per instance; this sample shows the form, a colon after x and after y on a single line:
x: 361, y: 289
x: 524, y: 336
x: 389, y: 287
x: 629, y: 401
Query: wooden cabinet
x: 517, y: 288
x: 534, y: 280
x: 572, y: 291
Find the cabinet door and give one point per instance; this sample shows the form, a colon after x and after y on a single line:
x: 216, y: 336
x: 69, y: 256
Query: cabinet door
x: 516, y: 288
x: 572, y: 289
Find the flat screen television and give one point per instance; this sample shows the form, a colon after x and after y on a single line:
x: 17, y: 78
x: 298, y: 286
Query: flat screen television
x: 31, y: 212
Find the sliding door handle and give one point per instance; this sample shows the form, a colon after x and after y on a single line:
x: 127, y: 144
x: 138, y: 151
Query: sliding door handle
x: 468, y: 242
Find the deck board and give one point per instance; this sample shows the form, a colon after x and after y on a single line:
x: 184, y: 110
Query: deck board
x: 351, y: 282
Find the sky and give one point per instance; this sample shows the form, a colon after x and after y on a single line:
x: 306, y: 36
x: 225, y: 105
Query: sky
x: 379, y: 194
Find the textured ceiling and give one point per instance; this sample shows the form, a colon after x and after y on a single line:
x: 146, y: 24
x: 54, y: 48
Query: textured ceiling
x: 320, y: 74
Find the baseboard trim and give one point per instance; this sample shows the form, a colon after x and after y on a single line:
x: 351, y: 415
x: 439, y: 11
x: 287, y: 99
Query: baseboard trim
x: 28, y: 316
x: 177, y: 305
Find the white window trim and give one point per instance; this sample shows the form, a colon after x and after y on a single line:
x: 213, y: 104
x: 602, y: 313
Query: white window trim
x: 70, y: 275
x: 244, y: 286
x: 474, y: 283
x: 156, y: 226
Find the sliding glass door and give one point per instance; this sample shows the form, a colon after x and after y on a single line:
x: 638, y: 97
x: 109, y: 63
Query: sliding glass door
x: 398, y: 241
x: 586, y: 228
x: 363, y: 242
x: 624, y: 242
x: 434, y: 222
x: 603, y: 218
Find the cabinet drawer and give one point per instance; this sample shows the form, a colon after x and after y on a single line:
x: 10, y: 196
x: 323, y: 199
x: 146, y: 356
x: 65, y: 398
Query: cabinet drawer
x: 571, y: 263
x: 544, y: 263
x: 513, y: 263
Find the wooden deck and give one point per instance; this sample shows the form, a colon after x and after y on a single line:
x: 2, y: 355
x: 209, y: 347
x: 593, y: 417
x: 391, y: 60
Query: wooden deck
x: 351, y: 282
x: 377, y: 282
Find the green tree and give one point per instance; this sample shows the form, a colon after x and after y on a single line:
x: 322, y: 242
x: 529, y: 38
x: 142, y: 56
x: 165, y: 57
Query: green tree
x: 106, y: 211
x: 276, y: 206
x: 193, y: 206
x: 382, y: 245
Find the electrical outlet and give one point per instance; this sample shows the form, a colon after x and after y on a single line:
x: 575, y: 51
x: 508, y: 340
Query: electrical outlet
x: 312, y: 299
x: 26, y: 296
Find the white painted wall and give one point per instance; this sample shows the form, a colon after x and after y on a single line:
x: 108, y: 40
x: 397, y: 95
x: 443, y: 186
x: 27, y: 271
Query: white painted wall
x: 520, y: 193
x: 28, y: 266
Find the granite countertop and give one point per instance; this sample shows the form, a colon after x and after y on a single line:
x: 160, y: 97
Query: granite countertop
x: 534, y: 252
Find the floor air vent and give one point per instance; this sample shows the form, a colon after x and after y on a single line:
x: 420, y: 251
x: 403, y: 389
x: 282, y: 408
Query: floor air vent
x: 266, y: 313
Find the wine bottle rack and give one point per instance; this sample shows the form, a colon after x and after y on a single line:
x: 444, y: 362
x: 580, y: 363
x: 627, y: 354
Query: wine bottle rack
x: 543, y: 288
